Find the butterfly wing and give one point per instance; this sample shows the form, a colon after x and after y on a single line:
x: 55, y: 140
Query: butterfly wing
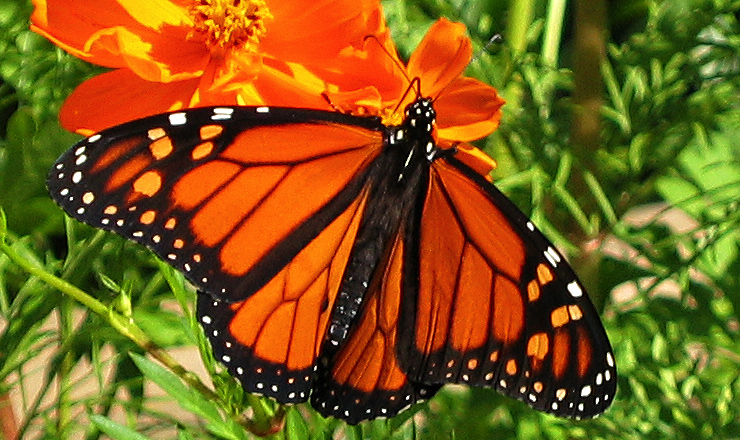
x: 258, y: 206
x: 364, y: 380
x: 226, y: 195
x: 496, y: 305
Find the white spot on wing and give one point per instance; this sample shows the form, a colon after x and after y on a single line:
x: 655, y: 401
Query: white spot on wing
x: 178, y: 118
x: 575, y: 290
x: 77, y: 177
x: 552, y: 256
x: 262, y: 109
x: 94, y: 138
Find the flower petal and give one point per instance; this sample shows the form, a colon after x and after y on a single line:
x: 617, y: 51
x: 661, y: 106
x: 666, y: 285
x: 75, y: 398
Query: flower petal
x: 157, y: 49
x: 442, y: 56
x: 313, y: 31
x: 375, y: 65
x: 119, y: 96
x: 476, y: 159
x: 467, y: 110
x: 360, y: 102
x: 157, y: 14
x: 71, y: 24
x: 152, y: 56
x: 279, y: 87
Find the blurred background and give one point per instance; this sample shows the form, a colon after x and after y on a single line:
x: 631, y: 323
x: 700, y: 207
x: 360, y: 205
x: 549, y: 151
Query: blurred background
x: 620, y: 137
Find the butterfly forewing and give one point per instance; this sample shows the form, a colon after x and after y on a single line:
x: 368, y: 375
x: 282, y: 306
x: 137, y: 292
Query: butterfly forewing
x: 227, y: 195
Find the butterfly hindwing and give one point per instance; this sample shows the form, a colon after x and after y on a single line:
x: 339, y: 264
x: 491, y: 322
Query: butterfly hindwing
x: 502, y: 308
x: 227, y: 195
x: 364, y: 380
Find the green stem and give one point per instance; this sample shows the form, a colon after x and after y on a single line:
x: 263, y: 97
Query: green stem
x: 123, y: 325
x: 553, y: 33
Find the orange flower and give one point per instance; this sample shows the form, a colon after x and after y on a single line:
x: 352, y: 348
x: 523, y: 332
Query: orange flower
x: 467, y: 109
x: 170, y: 54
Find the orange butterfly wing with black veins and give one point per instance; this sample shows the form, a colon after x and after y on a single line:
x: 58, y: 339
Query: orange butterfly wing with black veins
x: 343, y: 259
x: 502, y: 308
x: 258, y: 206
x: 271, y: 340
x: 227, y: 195
x: 363, y: 379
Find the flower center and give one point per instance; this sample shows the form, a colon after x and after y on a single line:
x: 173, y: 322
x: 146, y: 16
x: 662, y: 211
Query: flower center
x: 231, y: 24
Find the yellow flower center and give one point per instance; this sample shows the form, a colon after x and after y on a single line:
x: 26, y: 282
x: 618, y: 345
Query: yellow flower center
x: 231, y: 24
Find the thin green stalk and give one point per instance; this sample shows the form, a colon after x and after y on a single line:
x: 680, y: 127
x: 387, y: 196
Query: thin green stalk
x: 553, y: 33
x: 65, y: 369
x: 123, y: 325
x: 520, y: 18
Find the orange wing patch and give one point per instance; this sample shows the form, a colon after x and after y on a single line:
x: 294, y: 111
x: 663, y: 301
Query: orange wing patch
x: 271, y: 340
x: 501, y: 308
x: 364, y: 379
x: 229, y: 192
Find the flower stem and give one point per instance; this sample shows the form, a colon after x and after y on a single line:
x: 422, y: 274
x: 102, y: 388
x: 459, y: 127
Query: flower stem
x: 124, y: 325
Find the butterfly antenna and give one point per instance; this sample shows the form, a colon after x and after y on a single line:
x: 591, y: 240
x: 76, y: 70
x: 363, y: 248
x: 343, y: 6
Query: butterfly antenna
x: 395, y: 59
x: 414, y: 84
x: 496, y: 39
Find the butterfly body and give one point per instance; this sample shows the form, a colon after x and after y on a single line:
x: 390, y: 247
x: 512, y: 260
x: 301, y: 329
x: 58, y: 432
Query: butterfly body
x: 345, y: 261
x: 394, y: 186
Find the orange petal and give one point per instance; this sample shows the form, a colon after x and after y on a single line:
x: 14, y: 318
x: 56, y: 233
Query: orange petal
x: 155, y: 44
x: 375, y: 64
x: 476, y: 159
x: 467, y: 110
x: 277, y: 87
x: 313, y: 31
x: 360, y: 102
x: 119, y: 96
x: 152, y: 56
x: 156, y: 14
x: 71, y: 25
x: 441, y: 56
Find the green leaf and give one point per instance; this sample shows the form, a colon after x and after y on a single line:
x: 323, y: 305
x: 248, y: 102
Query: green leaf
x: 115, y: 430
x: 188, y: 398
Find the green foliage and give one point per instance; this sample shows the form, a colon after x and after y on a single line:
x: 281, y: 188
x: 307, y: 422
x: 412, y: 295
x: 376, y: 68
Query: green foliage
x: 650, y: 218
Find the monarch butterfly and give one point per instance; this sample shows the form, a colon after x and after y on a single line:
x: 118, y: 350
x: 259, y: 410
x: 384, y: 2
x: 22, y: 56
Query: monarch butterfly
x: 344, y: 261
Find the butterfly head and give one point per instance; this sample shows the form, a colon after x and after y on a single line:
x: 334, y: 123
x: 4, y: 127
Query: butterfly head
x: 420, y: 124
x: 420, y: 115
